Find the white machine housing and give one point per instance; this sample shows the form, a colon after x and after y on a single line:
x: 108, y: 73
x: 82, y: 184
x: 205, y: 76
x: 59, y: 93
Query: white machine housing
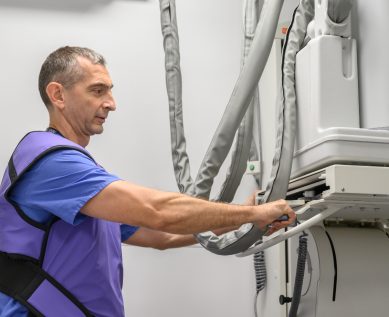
x: 329, y: 122
x: 341, y: 158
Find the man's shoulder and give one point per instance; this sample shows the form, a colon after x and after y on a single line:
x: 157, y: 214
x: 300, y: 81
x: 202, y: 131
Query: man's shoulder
x: 38, y: 145
x: 44, y: 139
x: 66, y: 157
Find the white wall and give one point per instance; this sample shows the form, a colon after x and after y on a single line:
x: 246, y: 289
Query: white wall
x: 135, y: 145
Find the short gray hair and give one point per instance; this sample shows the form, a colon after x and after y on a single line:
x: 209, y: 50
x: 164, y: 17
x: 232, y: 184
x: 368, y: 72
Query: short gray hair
x: 62, y: 66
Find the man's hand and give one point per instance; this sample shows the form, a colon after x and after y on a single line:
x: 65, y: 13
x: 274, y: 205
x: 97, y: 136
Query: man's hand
x: 271, y: 212
x: 276, y: 209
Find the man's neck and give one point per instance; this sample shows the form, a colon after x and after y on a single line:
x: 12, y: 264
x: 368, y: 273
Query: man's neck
x: 69, y: 134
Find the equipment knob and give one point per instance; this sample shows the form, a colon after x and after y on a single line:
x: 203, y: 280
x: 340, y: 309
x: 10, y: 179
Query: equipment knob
x: 284, y: 299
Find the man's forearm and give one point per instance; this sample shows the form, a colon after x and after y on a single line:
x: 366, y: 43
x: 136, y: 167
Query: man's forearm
x: 145, y: 237
x: 149, y: 238
x: 173, y: 212
x: 181, y: 212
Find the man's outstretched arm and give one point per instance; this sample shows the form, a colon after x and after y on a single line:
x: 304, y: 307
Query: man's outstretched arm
x: 127, y: 203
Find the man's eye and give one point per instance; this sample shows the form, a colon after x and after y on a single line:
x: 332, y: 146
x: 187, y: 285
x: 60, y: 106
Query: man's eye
x: 98, y: 91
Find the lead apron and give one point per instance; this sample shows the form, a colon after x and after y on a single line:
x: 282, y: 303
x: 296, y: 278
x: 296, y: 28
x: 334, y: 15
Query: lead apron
x: 57, y: 269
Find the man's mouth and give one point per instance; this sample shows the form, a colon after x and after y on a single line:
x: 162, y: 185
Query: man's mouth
x: 101, y: 119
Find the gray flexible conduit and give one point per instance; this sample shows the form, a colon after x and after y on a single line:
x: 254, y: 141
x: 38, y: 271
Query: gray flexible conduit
x: 339, y: 10
x: 174, y: 90
x: 240, y: 98
x: 256, y: 149
x: 299, y: 278
x: 244, y: 146
x: 282, y: 161
x: 238, y: 240
x: 234, y: 241
x: 239, y: 157
x: 251, y: 16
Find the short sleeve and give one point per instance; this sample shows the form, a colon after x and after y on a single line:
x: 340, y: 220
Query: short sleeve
x: 60, y: 184
x: 127, y: 231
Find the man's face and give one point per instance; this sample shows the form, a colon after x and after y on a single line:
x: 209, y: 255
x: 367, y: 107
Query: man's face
x: 88, y: 102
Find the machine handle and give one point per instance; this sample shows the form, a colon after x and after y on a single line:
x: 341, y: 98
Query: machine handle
x: 331, y: 209
x: 283, y: 218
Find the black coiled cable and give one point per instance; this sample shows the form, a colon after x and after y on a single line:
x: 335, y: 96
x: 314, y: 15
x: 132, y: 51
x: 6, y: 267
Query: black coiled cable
x: 260, y: 275
x: 299, y: 279
x: 260, y: 270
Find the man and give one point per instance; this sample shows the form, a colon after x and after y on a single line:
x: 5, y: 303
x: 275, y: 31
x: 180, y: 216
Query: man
x: 63, y: 215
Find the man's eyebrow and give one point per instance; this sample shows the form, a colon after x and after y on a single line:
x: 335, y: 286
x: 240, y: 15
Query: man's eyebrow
x: 103, y: 85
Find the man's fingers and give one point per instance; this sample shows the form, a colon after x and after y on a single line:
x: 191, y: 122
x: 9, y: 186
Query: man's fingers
x: 281, y: 222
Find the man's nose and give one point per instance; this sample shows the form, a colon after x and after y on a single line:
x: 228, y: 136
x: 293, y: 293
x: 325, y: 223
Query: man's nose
x: 110, y: 103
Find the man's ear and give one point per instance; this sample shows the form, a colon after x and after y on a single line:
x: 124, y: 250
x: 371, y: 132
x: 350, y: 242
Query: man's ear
x: 54, y: 91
